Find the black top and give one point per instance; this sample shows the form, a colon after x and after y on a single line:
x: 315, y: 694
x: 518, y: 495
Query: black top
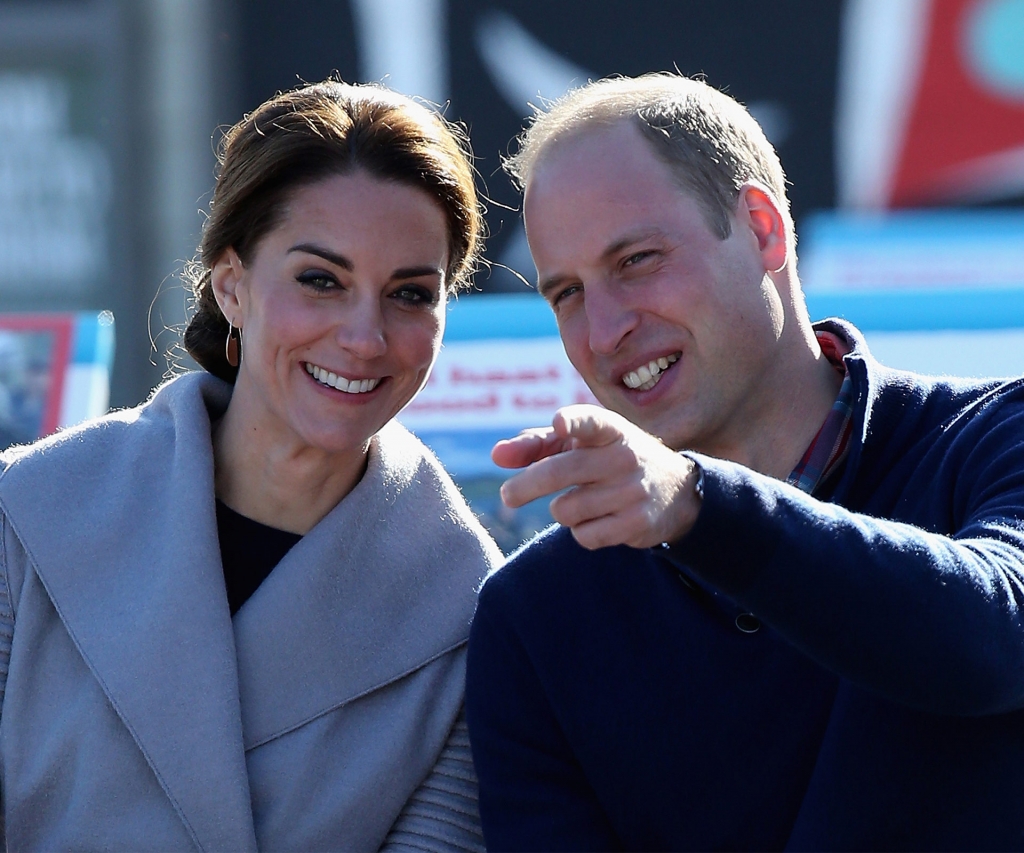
x: 249, y: 551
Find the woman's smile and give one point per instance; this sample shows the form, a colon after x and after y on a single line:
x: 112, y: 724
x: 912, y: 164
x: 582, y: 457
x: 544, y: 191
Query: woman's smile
x: 335, y: 380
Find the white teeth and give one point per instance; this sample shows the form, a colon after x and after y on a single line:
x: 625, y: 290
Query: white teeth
x: 648, y: 375
x: 349, y: 386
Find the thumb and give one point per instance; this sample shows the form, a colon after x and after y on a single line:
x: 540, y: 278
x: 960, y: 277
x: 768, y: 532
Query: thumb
x: 588, y: 426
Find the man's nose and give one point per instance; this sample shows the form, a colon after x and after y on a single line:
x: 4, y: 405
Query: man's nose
x: 610, y: 318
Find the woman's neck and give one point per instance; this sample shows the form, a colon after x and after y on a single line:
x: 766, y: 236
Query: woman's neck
x: 280, y: 483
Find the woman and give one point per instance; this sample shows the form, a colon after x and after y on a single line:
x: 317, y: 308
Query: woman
x: 297, y: 693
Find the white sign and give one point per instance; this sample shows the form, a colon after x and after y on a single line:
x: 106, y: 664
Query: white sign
x: 496, y: 384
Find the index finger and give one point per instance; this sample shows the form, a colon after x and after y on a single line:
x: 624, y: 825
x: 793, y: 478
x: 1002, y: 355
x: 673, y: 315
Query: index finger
x: 546, y: 476
x: 531, y: 445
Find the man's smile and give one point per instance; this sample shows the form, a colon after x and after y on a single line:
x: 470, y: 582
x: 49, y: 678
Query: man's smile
x: 645, y: 377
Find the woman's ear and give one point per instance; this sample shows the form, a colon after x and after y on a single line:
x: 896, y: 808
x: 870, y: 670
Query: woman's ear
x: 225, y: 278
x: 768, y: 225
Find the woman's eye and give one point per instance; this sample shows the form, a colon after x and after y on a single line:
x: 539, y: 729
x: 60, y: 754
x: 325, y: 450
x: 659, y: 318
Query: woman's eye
x: 317, y: 280
x: 415, y: 294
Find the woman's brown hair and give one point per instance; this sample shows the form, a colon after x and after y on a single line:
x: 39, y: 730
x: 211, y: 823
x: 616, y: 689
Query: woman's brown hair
x: 300, y: 137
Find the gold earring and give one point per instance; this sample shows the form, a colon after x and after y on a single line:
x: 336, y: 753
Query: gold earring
x: 233, y: 345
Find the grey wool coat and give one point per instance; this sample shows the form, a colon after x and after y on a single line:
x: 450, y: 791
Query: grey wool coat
x: 138, y: 715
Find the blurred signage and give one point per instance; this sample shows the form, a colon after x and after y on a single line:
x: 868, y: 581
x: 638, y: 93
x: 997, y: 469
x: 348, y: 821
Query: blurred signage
x: 496, y: 384
x: 55, y: 187
x: 931, y: 102
x: 913, y: 249
x: 54, y: 372
x: 936, y: 292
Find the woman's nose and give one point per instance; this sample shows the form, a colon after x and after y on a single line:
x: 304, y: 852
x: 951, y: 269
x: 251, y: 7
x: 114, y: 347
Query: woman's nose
x: 361, y: 329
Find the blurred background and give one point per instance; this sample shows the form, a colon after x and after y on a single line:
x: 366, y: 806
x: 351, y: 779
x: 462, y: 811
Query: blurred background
x: 900, y: 124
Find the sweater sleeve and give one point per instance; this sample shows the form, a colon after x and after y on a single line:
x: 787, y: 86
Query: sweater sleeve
x: 442, y: 814
x: 928, y: 611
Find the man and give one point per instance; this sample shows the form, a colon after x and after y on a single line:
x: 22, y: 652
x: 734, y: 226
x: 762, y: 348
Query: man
x: 784, y: 607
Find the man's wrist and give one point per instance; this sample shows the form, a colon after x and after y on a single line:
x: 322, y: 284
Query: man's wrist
x: 698, y: 471
x: 692, y: 498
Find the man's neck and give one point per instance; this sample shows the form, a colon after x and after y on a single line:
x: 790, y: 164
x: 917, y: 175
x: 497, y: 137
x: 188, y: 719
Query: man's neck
x: 809, y: 413
x: 774, y: 434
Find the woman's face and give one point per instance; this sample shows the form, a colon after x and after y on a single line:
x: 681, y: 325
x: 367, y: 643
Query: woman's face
x: 341, y: 311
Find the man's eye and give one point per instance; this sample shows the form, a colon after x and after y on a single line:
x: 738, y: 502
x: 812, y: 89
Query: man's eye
x: 317, y: 280
x: 637, y: 258
x: 566, y: 292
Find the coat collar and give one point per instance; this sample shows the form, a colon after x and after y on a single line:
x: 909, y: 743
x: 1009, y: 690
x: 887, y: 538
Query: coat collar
x: 385, y: 583
x: 118, y: 519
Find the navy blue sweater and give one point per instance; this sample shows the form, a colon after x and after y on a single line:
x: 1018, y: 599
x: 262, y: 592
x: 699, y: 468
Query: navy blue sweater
x: 614, y: 703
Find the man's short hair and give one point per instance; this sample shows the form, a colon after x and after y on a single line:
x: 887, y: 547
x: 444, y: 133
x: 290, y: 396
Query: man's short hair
x: 708, y: 139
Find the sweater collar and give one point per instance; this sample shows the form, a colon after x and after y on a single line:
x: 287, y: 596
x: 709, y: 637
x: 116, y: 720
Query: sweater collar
x: 864, y: 374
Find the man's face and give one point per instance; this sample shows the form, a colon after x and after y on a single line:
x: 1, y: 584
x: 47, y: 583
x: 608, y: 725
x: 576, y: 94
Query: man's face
x: 671, y: 326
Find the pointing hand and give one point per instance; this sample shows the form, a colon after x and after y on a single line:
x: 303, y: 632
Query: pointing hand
x: 624, y: 486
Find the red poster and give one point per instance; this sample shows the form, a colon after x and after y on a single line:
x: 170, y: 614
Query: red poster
x: 34, y: 353
x: 964, y: 136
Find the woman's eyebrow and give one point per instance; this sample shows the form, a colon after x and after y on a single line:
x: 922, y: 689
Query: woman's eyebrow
x: 346, y: 264
x: 416, y: 272
x: 326, y: 254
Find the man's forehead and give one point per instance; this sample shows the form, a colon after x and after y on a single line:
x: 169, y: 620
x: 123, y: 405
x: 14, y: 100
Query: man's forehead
x: 611, y: 166
x: 603, y: 168
x: 609, y: 170
x: 586, y: 143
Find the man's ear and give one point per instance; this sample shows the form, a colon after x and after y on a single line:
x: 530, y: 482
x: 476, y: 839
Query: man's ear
x: 769, y: 226
x: 225, y: 277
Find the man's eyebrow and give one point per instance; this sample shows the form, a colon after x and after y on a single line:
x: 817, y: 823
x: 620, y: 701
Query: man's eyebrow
x: 346, y: 264
x: 326, y: 254
x: 545, y: 287
x: 629, y: 239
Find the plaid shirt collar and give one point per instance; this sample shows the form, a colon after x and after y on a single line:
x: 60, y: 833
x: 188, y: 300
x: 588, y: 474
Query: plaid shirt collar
x: 827, y: 451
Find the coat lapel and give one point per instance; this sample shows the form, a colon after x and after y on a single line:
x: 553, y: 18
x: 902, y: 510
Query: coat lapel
x: 123, y: 536
x: 385, y: 583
